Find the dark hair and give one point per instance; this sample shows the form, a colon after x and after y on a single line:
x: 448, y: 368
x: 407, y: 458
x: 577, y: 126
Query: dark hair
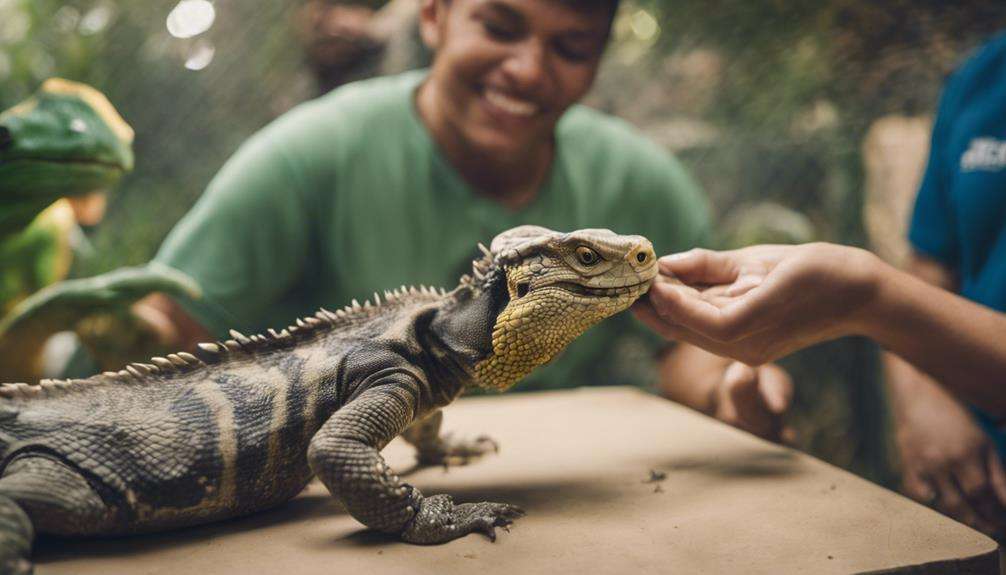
x: 611, y: 5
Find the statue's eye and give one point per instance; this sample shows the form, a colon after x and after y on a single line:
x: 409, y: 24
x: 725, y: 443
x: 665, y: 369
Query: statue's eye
x: 587, y: 256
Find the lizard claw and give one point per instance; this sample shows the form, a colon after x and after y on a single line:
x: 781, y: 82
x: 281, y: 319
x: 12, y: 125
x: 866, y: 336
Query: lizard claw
x: 439, y: 520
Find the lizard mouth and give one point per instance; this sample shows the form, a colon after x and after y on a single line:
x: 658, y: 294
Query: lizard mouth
x: 635, y: 289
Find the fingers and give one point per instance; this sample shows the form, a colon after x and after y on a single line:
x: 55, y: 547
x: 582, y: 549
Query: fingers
x: 776, y: 388
x: 741, y: 403
x: 918, y: 488
x: 952, y: 501
x: 948, y: 492
x: 973, y: 481
x: 700, y: 266
x: 644, y: 311
x: 676, y: 305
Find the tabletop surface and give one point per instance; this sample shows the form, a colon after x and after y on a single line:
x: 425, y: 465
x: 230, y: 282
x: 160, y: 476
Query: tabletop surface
x: 579, y: 462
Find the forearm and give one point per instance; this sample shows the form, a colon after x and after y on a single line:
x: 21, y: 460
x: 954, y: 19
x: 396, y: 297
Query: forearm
x: 905, y: 384
x: 689, y: 375
x: 959, y: 343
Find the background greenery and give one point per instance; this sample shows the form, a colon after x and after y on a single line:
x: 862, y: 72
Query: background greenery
x: 764, y: 100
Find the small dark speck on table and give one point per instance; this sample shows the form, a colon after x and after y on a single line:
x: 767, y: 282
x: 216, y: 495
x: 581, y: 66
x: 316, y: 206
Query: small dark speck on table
x: 655, y: 476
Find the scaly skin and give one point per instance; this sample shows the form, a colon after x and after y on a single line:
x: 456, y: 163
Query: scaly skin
x: 187, y: 440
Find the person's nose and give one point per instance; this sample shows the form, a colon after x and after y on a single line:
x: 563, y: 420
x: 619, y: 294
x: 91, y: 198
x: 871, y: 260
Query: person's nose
x: 527, y: 66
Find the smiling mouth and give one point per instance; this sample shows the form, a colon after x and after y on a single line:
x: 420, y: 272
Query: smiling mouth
x: 510, y: 104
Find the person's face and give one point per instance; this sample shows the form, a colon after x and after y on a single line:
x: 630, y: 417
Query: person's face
x: 506, y: 70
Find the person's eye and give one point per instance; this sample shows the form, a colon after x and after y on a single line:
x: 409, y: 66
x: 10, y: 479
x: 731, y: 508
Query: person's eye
x: 500, y: 32
x: 574, y: 53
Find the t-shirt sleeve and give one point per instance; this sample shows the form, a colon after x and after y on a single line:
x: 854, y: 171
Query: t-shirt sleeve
x: 932, y: 230
x: 246, y: 239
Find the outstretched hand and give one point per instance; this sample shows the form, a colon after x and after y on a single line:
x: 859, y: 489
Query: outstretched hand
x: 760, y: 303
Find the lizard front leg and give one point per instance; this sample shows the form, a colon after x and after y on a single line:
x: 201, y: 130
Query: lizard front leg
x: 345, y: 455
x: 434, y: 448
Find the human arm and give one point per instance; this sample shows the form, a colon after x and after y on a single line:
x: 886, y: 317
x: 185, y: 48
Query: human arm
x: 761, y: 303
x: 947, y: 460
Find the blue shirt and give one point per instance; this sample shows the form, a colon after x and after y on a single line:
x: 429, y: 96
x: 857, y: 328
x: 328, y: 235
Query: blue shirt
x: 960, y: 212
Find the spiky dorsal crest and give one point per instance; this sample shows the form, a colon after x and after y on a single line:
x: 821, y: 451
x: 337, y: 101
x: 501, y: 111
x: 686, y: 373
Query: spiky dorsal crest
x: 238, y: 346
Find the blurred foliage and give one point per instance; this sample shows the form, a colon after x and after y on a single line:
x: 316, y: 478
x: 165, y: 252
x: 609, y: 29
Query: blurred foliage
x: 764, y: 101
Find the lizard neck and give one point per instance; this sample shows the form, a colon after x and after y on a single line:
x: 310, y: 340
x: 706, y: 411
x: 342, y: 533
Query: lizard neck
x: 464, y: 325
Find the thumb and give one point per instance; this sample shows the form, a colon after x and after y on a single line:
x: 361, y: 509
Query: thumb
x: 739, y: 397
x: 776, y: 388
x: 700, y: 266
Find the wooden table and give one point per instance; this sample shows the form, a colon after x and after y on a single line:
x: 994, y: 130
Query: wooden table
x: 579, y: 462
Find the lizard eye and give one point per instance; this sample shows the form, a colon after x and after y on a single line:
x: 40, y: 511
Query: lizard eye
x: 587, y: 256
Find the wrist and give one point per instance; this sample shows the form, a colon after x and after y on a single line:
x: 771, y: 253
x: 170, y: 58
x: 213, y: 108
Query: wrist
x: 871, y: 291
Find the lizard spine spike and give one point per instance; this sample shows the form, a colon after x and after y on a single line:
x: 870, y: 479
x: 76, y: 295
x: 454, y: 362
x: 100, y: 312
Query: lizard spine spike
x: 210, y: 348
x: 485, y: 251
x: 163, y: 363
x: 188, y: 357
x: 240, y: 337
x: 175, y: 359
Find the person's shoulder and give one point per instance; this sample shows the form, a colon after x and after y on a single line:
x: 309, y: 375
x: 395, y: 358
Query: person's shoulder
x: 356, y: 105
x: 611, y: 145
x: 596, y: 132
x: 991, y: 53
x: 982, y: 67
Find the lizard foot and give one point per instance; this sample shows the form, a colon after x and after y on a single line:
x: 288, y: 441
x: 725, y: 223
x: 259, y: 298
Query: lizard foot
x: 452, y: 452
x: 439, y: 520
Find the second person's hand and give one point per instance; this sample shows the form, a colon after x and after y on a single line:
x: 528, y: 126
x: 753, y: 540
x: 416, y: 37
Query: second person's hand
x: 760, y: 303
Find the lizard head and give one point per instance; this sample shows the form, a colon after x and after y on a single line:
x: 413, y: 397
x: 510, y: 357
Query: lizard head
x: 549, y: 288
x: 66, y: 140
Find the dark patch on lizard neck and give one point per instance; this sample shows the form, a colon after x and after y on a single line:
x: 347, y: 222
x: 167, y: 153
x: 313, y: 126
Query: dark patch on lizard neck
x: 466, y: 326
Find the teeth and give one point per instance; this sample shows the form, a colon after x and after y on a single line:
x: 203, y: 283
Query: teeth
x: 511, y: 105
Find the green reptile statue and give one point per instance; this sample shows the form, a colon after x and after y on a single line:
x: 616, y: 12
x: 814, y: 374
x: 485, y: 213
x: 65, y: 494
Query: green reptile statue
x: 185, y: 440
x: 66, y: 140
x: 60, y: 151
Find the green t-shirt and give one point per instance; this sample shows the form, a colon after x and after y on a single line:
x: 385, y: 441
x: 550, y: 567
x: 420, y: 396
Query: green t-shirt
x: 348, y: 194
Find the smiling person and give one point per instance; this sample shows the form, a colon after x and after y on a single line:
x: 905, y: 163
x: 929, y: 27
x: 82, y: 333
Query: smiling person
x: 390, y: 181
